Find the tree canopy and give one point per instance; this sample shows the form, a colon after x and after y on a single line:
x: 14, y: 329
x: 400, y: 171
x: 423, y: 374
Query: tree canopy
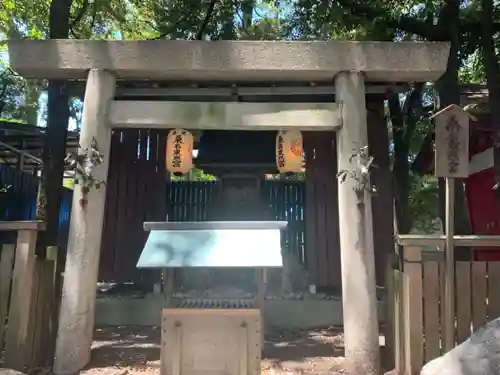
x: 471, y: 26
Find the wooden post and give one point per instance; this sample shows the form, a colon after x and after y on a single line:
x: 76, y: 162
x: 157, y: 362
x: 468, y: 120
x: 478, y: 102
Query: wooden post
x: 42, y: 303
x: 449, y: 282
x: 53, y: 309
x: 356, y: 233
x: 168, y: 285
x: 398, y: 321
x: 260, y: 300
x: 452, y: 161
x: 52, y: 256
x: 19, y: 337
x: 76, y: 320
x: 6, y: 262
x: 412, y: 310
x: 388, y: 359
x: 21, y: 156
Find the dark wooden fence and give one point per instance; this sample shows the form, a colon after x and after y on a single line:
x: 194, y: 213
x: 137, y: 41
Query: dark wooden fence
x: 137, y: 191
x: 188, y: 201
x: 322, y: 215
x: 136, y: 178
x: 286, y: 199
x: 18, y: 202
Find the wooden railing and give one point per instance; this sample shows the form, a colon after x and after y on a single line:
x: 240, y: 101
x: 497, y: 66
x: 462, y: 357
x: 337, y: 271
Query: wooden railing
x: 26, y: 298
x: 417, y: 306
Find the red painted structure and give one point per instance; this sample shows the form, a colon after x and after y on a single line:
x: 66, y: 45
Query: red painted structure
x: 484, y: 209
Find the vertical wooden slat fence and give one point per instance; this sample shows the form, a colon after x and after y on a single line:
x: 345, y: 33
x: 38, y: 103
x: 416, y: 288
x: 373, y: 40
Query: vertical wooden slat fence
x: 26, y: 298
x: 135, y: 193
x: 321, y: 209
x: 189, y: 201
x: 19, y: 202
x: 138, y: 190
x: 6, y: 269
x: 419, y: 305
x: 286, y: 200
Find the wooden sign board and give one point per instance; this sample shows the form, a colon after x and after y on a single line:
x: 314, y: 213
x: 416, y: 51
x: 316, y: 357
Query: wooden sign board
x: 452, y: 142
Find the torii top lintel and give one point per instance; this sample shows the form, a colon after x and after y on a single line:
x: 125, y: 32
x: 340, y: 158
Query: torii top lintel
x: 252, y: 61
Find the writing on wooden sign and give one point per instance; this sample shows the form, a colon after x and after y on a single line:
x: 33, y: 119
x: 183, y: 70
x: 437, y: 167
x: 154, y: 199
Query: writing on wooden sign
x: 452, y: 142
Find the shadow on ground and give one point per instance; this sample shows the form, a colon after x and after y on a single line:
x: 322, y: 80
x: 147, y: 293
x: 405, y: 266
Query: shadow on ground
x: 292, y: 345
x: 126, y: 347
x: 140, y: 346
x: 136, y: 350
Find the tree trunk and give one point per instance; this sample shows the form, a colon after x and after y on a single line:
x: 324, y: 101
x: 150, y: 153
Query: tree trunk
x: 53, y: 157
x: 403, y: 125
x: 54, y: 151
x: 492, y: 70
x: 449, y: 93
x: 401, y: 169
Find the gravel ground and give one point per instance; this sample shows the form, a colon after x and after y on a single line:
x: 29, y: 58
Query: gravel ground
x: 136, y: 350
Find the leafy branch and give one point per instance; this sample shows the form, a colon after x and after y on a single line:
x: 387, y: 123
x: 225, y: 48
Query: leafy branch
x: 199, y: 33
x: 5, y: 188
x: 7, y: 79
x: 206, y: 20
x: 79, y: 16
x: 83, y: 164
x: 360, y: 173
x: 426, y: 28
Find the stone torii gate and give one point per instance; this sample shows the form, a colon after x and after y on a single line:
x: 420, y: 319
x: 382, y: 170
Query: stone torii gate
x: 348, y: 64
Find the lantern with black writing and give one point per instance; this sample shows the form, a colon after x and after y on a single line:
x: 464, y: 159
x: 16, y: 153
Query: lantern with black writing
x: 179, y: 158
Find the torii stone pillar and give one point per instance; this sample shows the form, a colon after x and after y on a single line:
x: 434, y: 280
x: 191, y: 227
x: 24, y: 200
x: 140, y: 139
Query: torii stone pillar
x: 76, y: 320
x: 356, y: 233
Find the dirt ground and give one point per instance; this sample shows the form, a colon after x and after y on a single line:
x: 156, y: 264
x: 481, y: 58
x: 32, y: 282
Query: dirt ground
x: 136, y: 350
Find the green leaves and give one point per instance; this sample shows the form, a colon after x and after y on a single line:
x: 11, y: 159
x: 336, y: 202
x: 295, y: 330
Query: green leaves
x: 24, y: 18
x: 247, y: 20
x: 194, y: 174
x: 423, y: 204
x: 83, y: 163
